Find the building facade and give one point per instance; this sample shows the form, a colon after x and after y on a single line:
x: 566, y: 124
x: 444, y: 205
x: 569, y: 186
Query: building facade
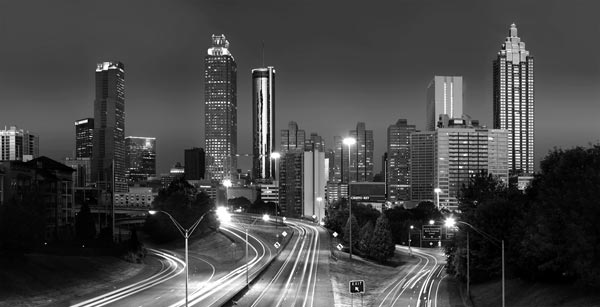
x: 141, y: 158
x: 397, y: 168
x: 263, y: 123
x: 220, y: 102
x: 361, y: 154
x: 109, y: 152
x: 422, y: 165
x: 194, y: 163
x: 292, y: 139
x: 18, y: 144
x: 514, y: 101
x: 444, y: 96
x: 84, y: 138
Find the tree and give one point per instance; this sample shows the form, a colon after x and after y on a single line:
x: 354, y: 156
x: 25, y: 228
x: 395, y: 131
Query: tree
x: 85, y: 226
x: 563, y: 233
x: 366, y: 232
x: 355, y: 232
x: 183, y: 201
x: 22, y: 223
x: 381, y: 245
x: 240, y: 202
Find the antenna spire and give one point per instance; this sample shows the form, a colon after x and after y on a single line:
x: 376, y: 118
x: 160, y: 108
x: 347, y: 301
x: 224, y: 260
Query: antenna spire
x: 263, y: 53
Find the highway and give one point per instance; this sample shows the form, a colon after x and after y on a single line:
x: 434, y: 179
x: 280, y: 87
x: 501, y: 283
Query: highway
x: 299, y: 275
x: 419, y: 283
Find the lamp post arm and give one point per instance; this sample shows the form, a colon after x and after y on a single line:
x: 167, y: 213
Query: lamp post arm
x: 484, y: 234
x: 193, y: 228
x: 179, y: 227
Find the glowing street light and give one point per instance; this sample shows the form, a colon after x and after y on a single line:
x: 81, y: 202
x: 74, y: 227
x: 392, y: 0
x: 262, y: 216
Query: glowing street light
x: 451, y: 222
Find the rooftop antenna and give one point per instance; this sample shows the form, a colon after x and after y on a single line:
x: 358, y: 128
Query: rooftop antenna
x: 263, y: 53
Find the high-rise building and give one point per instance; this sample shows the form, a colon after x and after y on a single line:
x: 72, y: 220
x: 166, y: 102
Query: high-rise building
x: 18, y: 144
x: 361, y: 161
x: 263, y: 122
x: 514, y: 101
x: 194, y: 164
x: 398, y: 161
x: 447, y: 159
x: 84, y: 138
x: 422, y: 165
x: 444, y: 96
x: 315, y: 142
x: 109, y: 151
x: 340, y: 163
x: 220, y: 102
x: 292, y: 139
x: 141, y: 158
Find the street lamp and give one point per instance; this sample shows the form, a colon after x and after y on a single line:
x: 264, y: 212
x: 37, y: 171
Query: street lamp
x: 451, y: 222
x: 227, y: 184
x: 409, y: 231
x: 437, y: 198
x: 349, y: 141
x: 186, y: 233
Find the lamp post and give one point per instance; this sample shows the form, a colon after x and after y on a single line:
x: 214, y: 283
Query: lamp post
x: 227, y: 184
x: 225, y: 217
x: 409, y: 232
x: 349, y: 141
x: 186, y: 233
x: 437, y: 197
x: 451, y: 222
x: 275, y: 155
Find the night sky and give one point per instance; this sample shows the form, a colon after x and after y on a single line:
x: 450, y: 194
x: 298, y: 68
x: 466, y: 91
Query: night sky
x: 337, y: 62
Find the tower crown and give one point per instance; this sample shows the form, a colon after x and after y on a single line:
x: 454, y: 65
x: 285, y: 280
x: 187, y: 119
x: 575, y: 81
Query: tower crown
x: 220, y: 45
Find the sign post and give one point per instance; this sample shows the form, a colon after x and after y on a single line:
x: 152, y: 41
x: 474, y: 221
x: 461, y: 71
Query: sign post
x: 356, y: 286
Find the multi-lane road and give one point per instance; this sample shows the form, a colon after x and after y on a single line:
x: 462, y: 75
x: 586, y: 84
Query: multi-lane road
x: 293, y: 274
x: 421, y: 283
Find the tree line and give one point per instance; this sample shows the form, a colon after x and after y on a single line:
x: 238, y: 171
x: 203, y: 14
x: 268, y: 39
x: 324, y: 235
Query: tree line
x: 551, y: 231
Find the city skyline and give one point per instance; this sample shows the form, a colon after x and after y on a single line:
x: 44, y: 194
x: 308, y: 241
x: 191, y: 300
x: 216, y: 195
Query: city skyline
x: 350, y: 81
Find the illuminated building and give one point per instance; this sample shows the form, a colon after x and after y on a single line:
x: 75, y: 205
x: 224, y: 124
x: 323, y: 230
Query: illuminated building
x: 141, y: 158
x: 263, y: 123
x: 109, y: 127
x: 84, y: 138
x: 18, y: 145
x: 220, y: 102
x: 444, y: 96
x: 361, y: 161
x: 514, y: 102
x: 398, y: 161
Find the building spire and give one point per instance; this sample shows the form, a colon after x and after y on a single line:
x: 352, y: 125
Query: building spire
x: 513, y: 30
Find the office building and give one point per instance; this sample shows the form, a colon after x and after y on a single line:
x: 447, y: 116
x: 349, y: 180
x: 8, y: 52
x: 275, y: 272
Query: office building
x: 220, y: 102
x: 109, y: 153
x: 397, y: 168
x: 263, y: 123
x: 422, y: 165
x: 514, y: 101
x: 292, y: 139
x: 340, y: 161
x: 444, y: 96
x: 18, y: 144
x: 315, y: 142
x: 361, y: 154
x: 84, y: 138
x: 194, y: 163
x: 141, y: 158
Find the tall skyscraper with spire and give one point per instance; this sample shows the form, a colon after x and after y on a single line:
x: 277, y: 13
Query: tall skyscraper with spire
x: 514, y: 102
x: 263, y: 122
x: 220, y: 103
x: 108, y: 157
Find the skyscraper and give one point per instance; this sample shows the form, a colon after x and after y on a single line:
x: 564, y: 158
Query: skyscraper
x: 141, y: 158
x: 220, y: 102
x: 194, y: 164
x: 361, y: 161
x: 292, y: 139
x: 514, y: 101
x: 18, y: 144
x: 109, y: 127
x: 444, y: 96
x: 398, y: 160
x: 84, y: 138
x: 315, y: 142
x: 263, y: 122
x: 422, y: 165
